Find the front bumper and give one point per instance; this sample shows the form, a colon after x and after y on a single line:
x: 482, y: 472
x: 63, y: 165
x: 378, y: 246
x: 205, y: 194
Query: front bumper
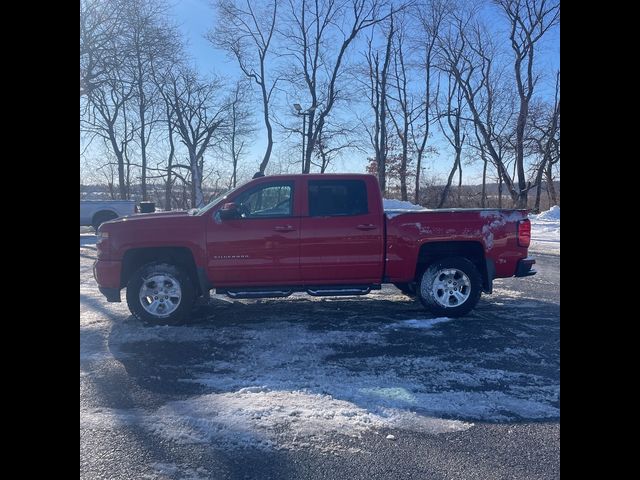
x: 107, y: 276
x: 524, y: 269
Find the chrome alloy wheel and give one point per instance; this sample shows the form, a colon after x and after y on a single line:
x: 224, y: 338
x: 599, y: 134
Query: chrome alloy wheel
x: 451, y: 287
x: 160, y: 294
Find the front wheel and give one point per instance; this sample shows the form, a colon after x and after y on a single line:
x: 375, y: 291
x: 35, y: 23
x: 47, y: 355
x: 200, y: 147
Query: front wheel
x: 450, y: 287
x: 160, y: 293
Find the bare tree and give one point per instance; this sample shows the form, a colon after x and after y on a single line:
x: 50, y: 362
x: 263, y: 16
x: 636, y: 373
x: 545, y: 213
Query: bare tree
x: 107, y: 117
x: 376, y: 91
x: 485, y: 163
x: 169, y: 118
x: 240, y: 127
x: 200, y: 112
x: 317, y: 35
x: 530, y: 20
x: 467, y: 52
x: 245, y: 29
x: 404, y: 113
x: 453, y: 132
x: 547, y: 146
x: 431, y: 18
x: 101, y: 46
x: 152, y: 43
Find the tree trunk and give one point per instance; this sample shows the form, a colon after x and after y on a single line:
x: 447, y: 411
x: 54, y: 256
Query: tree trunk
x: 128, y: 180
x: 550, y: 186
x: 459, y: 182
x: 143, y: 142
x: 382, y: 161
x: 519, y: 163
x: 122, y: 187
x: 310, y: 143
x: 168, y: 186
x: 540, y: 172
x: 445, y: 192
x: 416, y: 194
x: 197, y: 197
x: 403, y: 166
x: 234, y: 157
x: 267, y: 122
x: 521, y: 199
x: 484, y: 181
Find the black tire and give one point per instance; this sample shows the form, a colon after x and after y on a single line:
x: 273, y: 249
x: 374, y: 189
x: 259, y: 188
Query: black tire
x: 175, y: 274
x: 409, y: 289
x: 435, y: 301
x: 102, y: 217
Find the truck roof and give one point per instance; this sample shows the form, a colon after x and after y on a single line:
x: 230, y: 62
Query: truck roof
x: 320, y: 176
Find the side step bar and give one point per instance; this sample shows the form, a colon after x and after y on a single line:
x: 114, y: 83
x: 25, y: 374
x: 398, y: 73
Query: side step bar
x: 337, y: 291
x: 321, y: 290
x: 258, y: 293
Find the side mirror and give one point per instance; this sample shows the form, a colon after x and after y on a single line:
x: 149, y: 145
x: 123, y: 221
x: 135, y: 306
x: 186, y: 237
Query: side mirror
x: 229, y: 211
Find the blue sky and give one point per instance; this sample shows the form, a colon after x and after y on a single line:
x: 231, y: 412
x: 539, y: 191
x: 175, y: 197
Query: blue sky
x: 196, y: 17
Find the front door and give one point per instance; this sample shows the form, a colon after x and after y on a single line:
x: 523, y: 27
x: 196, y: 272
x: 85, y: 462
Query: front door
x: 260, y: 246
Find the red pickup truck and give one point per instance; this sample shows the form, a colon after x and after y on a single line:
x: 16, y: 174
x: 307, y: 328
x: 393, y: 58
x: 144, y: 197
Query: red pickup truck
x: 319, y: 234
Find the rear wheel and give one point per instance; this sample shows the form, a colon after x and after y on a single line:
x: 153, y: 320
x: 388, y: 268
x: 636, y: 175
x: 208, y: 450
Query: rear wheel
x: 450, y: 287
x: 160, y: 293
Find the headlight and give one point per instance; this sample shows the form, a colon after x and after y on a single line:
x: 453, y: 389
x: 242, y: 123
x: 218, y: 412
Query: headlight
x: 102, y: 245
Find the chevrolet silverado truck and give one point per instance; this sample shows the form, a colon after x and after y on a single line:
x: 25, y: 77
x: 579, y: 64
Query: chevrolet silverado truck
x: 319, y: 234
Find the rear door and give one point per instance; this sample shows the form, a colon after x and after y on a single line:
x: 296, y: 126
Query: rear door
x: 341, y: 239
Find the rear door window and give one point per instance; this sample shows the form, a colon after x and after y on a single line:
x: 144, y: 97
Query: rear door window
x: 337, y: 198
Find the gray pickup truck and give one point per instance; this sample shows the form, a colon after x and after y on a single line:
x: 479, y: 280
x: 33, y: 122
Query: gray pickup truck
x: 95, y: 212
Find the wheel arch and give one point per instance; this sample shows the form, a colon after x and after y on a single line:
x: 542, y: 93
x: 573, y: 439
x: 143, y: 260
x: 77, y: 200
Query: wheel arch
x: 135, y: 258
x: 103, y: 212
x: 472, y: 250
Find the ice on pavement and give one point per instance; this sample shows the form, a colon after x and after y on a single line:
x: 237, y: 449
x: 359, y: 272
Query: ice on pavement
x: 292, y: 394
x: 420, y: 323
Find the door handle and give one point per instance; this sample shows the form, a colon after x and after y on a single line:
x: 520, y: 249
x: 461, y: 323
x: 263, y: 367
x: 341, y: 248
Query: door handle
x: 366, y: 226
x: 284, y: 228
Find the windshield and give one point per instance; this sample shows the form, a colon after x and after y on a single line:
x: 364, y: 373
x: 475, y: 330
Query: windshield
x: 212, y: 203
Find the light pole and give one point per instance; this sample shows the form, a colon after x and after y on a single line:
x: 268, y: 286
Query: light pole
x: 304, y: 126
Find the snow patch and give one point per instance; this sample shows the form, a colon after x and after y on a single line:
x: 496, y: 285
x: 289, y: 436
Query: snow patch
x: 499, y: 219
x: 393, y: 207
x: 171, y: 470
x: 393, y: 204
x: 262, y: 418
x: 420, y: 323
x: 545, y: 231
x: 553, y: 214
